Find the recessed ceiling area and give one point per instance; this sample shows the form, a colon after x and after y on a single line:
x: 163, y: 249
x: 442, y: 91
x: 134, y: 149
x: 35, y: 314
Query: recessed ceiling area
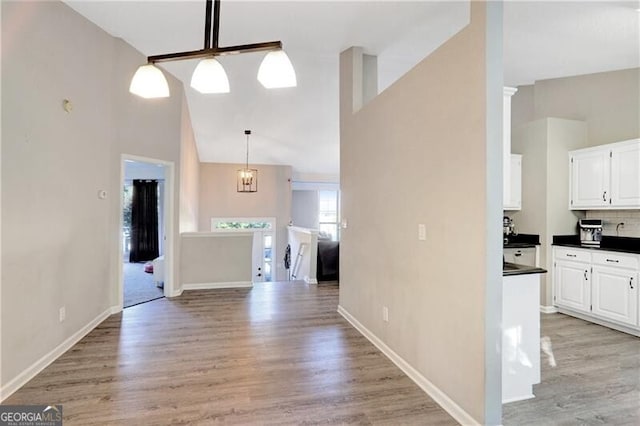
x: 299, y: 126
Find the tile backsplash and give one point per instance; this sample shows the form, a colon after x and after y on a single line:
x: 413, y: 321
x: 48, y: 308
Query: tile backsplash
x: 611, y: 219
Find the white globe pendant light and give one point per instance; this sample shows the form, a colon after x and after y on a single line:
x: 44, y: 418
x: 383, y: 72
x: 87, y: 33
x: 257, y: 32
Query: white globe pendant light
x: 149, y: 82
x: 210, y: 77
x: 276, y: 71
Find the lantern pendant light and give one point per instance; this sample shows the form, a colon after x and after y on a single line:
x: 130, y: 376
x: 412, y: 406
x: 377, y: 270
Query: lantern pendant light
x: 247, y: 179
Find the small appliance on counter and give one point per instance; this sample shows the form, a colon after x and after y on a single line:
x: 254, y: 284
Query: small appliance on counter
x: 590, y: 232
x: 508, y: 229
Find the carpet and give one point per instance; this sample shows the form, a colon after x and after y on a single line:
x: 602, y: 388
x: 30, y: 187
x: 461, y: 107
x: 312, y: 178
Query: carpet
x: 139, y: 286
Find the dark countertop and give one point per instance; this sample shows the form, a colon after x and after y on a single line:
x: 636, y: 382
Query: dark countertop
x: 608, y: 243
x: 522, y: 241
x: 510, y: 269
x: 519, y: 245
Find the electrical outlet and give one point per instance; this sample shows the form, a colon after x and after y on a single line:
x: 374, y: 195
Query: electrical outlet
x: 63, y: 313
x: 422, y: 232
x: 385, y: 314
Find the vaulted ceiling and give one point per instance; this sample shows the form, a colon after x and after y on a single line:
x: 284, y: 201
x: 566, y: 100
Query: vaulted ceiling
x: 299, y: 126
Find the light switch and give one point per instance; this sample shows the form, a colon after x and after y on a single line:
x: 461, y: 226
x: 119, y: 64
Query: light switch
x: 422, y: 232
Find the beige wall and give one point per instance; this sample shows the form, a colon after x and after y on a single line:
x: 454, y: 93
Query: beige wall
x: 544, y: 145
x: 608, y: 107
x: 305, y: 208
x: 189, y: 174
x: 60, y: 241
x: 219, y: 258
x: 417, y: 154
x: 608, y: 102
x: 219, y: 198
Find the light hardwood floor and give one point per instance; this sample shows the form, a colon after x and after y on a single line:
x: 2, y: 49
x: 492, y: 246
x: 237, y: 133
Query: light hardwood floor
x: 596, y: 380
x: 276, y: 354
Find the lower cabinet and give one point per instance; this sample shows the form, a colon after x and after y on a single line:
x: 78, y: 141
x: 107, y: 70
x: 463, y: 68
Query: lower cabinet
x: 615, y: 294
x: 572, y: 285
x: 598, y: 285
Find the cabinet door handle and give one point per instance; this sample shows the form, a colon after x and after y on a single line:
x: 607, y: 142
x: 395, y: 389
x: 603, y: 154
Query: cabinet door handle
x: 604, y: 196
x: 585, y: 275
x: 517, y: 254
x: 571, y: 255
x: 613, y: 260
x: 631, y: 283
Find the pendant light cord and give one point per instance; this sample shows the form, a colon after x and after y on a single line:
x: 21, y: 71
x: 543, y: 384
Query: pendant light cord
x: 247, y: 132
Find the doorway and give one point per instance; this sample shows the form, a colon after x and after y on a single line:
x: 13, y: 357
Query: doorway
x: 145, y: 246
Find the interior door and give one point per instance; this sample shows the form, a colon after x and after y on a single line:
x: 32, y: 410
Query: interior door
x: 262, y: 258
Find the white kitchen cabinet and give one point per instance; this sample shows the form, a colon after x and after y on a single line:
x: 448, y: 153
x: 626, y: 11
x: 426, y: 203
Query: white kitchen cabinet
x: 572, y: 285
x: 514, y: 202
x: 606, y: 177
x: 615, y: 294
x: 598, y: 285
x: 625, y: 175
x: 507, y: 93
x: 590, y: 177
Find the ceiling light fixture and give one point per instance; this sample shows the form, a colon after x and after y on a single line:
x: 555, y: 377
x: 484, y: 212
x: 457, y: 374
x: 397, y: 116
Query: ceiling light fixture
x: 247, y: 178
x: 276, y: 70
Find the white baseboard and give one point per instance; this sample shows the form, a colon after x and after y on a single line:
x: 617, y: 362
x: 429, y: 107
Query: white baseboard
x: 548, y: 309
x: 434, y: 392
x: 215, y: 286
x: 310, y: 280
x: 28, y: 374
x: 518, y: 398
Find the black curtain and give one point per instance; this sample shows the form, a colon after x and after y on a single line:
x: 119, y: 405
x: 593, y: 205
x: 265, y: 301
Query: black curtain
x: 144, y: 221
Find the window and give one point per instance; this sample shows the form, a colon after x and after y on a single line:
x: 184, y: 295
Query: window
x: 328, y: 216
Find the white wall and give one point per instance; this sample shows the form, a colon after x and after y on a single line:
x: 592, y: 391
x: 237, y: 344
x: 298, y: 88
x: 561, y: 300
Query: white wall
x: 611, y: 219
x: 62, y: 244
x: 219, y: 198
x: 427, y: 150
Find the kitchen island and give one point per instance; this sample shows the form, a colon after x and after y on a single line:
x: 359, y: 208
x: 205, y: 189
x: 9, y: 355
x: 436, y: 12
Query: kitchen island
x: 520, y: 331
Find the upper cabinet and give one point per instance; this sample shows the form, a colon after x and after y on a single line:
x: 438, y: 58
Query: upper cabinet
x: 507, y: 93
x: 625, y: 175
x: 590, y: 172
x: 605, y: 177
x: 514, y: 202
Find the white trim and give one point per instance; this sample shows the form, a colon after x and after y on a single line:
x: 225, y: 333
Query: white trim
x: 169, y: 220
x: 302, y: 230
x: 434, y: 392
x: 216, y: 234
x: 310, y: 280
x: 29, y: 373
x: 215, y: 286
x: 519, y: 398
x: 548, y: 309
